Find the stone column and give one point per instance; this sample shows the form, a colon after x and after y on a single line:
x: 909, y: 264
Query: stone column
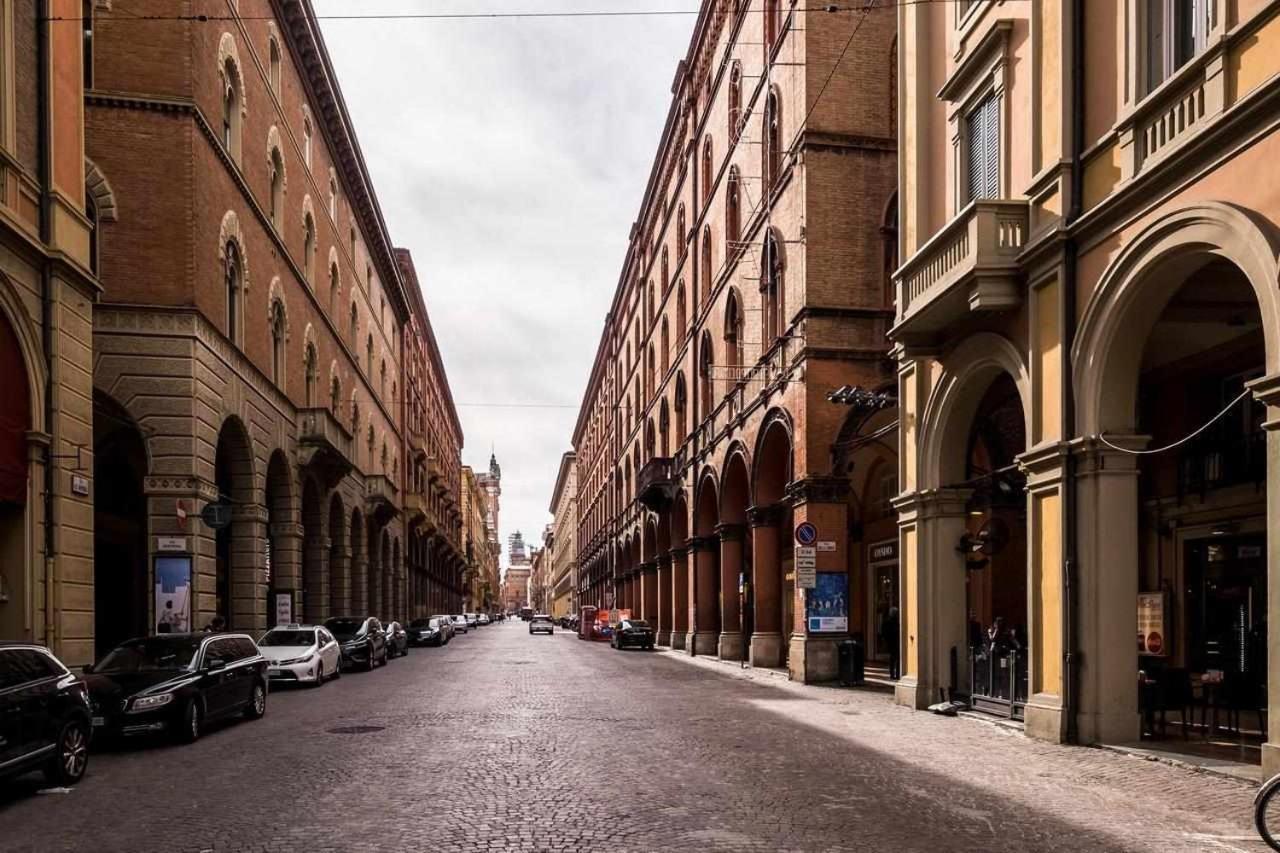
x: 663, y: 630
x: 766, y: 636
x: 822, y: 501
x: 248, y: 610
x: 649, y: 592
x: 729, y: 646
x: 315, y: 604
x: 704, y: 608
x: 1267, y: 391
x: 286, y: 566
x: 359, y: 598
x: 679, y: 597
x: 340, y: 574
x: 932, y: 617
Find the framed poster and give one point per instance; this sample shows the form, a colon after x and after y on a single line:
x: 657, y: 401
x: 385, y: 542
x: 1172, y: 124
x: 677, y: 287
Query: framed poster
x: 826, y: 606
x: 284, y: 608
x: 173, y: 594
x: 1152, y: 636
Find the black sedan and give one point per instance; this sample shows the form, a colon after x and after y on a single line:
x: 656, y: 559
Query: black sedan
x: 427, y: 632
x: 361, y: 639
x: 632, y: 632
x: 397, y: 640
x: 44, y: 716
x: 177, y: 684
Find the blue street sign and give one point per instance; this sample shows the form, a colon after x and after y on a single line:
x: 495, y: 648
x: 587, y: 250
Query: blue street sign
x: 806, y: 533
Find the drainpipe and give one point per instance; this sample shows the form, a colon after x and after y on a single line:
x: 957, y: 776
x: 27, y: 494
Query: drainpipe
x: 45, y: 166
x: 1071, y: 253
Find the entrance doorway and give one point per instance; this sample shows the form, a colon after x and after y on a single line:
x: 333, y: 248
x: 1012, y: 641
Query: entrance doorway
x: 120, y: 572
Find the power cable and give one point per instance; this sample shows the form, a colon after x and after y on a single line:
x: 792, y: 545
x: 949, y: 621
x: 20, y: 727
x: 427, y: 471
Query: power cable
x: 1181, y: 441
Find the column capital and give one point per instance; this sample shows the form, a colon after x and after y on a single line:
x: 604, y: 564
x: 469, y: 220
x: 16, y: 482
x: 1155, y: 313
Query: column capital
x: 729, y: 532
x: 664, y: 560
x: 678, y: 553
x: 769, y: 515
x: 818, y: 489
x: 702, y: 543
x: 1115, y: 454
x: 931, y: 503
x: 649, y: 566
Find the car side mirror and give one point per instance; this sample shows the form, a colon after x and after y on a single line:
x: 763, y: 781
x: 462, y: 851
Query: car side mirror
x: 87, y: 669
x: 215, y: 665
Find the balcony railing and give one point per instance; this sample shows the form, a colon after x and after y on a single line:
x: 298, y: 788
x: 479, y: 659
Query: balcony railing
x: 324, y: 443
x: 655, y: 486
x: 970, y: 265
x: 380, y: 497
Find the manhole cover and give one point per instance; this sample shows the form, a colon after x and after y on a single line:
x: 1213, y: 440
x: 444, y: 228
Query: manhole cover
x: 355, y: 730
x: 519, y: 662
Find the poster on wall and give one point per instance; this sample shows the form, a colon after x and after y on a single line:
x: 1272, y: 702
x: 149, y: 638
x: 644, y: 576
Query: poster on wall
x: 173, y: 595
x: 826, y: 606
x: 284, y: 608
x: 1152, y: 639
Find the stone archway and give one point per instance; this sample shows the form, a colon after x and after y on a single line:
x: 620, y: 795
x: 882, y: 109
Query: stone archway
x: 313, y: 596
x: 704, y: 625
x: 359, y: 565
x: 772, y: 594
x: 237, y: 578
x: 734, y: 563
x: 284, y: 535
x: 1158, y: 310
x: 680, y: 597
x: 339, y: 559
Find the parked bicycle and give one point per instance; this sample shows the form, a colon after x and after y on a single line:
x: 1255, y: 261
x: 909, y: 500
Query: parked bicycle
x: 1266, y: 812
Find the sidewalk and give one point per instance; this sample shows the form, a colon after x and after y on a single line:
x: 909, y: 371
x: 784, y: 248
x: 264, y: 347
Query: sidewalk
x: 1190, y: 808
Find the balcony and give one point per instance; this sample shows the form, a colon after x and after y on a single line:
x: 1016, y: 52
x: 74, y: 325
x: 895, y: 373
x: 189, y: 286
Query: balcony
x: 655, y: 486
x: 969, y: 266
x: 324, y: 444
x: 415, y: 507
x: 380, y: 498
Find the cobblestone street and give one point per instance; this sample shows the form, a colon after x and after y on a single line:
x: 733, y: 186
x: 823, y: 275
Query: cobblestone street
x: 506, y: 741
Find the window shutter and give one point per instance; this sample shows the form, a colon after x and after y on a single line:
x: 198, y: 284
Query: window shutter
x: 976, y: 155
x: 991, y: 130
x: 983, y: 131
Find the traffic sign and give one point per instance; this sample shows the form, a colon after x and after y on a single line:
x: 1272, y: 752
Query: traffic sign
x: 806, y: 533
x: 806, y: 578
x: 806, y: 551
x: 216, y: 515
x: 806, y: 562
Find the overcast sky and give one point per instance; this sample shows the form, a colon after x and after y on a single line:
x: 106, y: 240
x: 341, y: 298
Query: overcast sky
x: 509, y: 157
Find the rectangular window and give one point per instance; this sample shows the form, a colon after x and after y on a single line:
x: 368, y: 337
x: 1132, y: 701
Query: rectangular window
x: 1176, y: 31
x: 982, y: 139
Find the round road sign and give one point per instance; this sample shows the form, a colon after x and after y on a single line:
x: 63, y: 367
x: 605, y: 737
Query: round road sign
x: 806, y: 533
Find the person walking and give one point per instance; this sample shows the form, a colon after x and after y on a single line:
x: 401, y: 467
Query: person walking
x: 889, y: 639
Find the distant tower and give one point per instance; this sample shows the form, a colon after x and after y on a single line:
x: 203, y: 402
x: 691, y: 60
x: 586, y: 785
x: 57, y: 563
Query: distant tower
x: 491, y: 483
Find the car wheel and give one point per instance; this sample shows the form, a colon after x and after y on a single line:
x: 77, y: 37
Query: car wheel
x: 373, y: 660
x: 257, y: 702
x: 192, y: 722
x: 319, y: 676
x: 72, y: 758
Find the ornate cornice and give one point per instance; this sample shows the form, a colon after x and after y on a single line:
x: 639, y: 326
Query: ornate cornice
x: 818, y: 489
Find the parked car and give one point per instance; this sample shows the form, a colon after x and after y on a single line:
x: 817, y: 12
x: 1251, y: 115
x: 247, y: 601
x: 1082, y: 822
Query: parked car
x: 426, y: 632
x: 460, y: 625
x: 632, y: 632
x: 360, y: 639
x: 541, y: 622
x: 176, y: 684
x: 446, y: 622
x: 473, y: 619
x: 484, y: 619
x: 45, y: 718
x: 397, y: 640
x: 301, y: 653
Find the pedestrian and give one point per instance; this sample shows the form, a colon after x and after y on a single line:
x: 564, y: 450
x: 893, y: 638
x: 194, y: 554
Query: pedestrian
x: 216, y: 624
x: 889, y: 638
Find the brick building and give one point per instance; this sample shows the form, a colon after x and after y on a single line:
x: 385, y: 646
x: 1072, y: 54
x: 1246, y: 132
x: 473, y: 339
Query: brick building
x: 756, y: 281
x: 562, y: 539
x: 433, y: 490
x: 1090, y: 268
x: 248, y: 340
x: 482, y: 586
x: 51, y: 198
x: 515, y: 578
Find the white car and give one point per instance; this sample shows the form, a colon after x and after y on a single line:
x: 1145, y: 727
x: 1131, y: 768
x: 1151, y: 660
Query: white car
x: 303, y: 653
x: 484, y: 619
x: 460, y: 625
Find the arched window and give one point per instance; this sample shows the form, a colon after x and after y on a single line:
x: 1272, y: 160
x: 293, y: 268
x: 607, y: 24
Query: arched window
x: 771, y: 150
x: 708, y: 171
x: 382, y: 379
x: 649, y: 310
x: 889, y: 236
x: 95, y: 224
x: 733, y: 330
x: 665, y: 269
x: 732, y: 214
x: 681, y: 406
x: 772, y: 290
x: 706, y: 272
x: 652, y: 376
x: 306, y: 140
x: 735, y: 102
x: 368, y: 353
x: 706, y: 358
x: 683, y: 236
x: 333, y: 198
x: 277, y: 343
x: 682, y: 314
x: 335, y: 395
x: 666, y: 347
x: 664, y: 430
x: 233, y: 274
x: 231, y: 108
x: 335, y: 286
x: 273, y: 53
x: 312, y: 370
x: 355, y: 323
x: 308, y: 246
x: 355, y: 417
x: 772, y: 25
x: 277, y: 186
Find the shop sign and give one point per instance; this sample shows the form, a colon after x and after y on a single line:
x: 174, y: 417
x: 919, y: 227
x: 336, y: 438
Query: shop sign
x: 173, y: 595
x: 284, y: 608
x: 79, y: 484
x: 826, y: 545
x: 806, y: 533
x: 883, y: 551
x: 171, y: 543
x: 826, y: 604
x: 216, y: 515
x: 1152, y: 638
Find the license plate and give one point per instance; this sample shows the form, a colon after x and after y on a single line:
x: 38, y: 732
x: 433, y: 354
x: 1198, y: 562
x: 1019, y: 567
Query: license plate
x: 99, y: 721
x: 271, y: 672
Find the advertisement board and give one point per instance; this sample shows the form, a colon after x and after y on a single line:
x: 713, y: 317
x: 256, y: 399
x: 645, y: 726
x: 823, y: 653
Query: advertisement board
x: 1152, y: 636
x: 284, y: 608
x: 826, y: 606
x: 173, y: 595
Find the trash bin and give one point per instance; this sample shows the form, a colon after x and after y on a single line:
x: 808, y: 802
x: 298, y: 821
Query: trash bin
x: 852, y: 662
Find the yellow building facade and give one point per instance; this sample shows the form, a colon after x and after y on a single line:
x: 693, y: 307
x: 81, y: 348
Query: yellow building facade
x: 1088, y: 337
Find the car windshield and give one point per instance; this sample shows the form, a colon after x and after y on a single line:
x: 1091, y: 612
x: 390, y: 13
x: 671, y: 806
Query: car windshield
x: 422, y: 623
x: 345, y: 629
x: 150, y: 654
x: 636, y: 623
x: 287, y: 637
x: 542, y: 619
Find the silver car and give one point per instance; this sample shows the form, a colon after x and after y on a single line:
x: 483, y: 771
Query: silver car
x: 300, y: 653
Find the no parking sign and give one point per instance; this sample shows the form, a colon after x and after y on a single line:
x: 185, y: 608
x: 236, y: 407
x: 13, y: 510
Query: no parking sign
x: 806, y: 533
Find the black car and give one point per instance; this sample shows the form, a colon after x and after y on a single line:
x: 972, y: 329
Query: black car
x: 632, y: 632
x: 44, y: 716
x: 176, y: 684
x: 361, y: 638
x: 427, y: 632
x: 397, y: 640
